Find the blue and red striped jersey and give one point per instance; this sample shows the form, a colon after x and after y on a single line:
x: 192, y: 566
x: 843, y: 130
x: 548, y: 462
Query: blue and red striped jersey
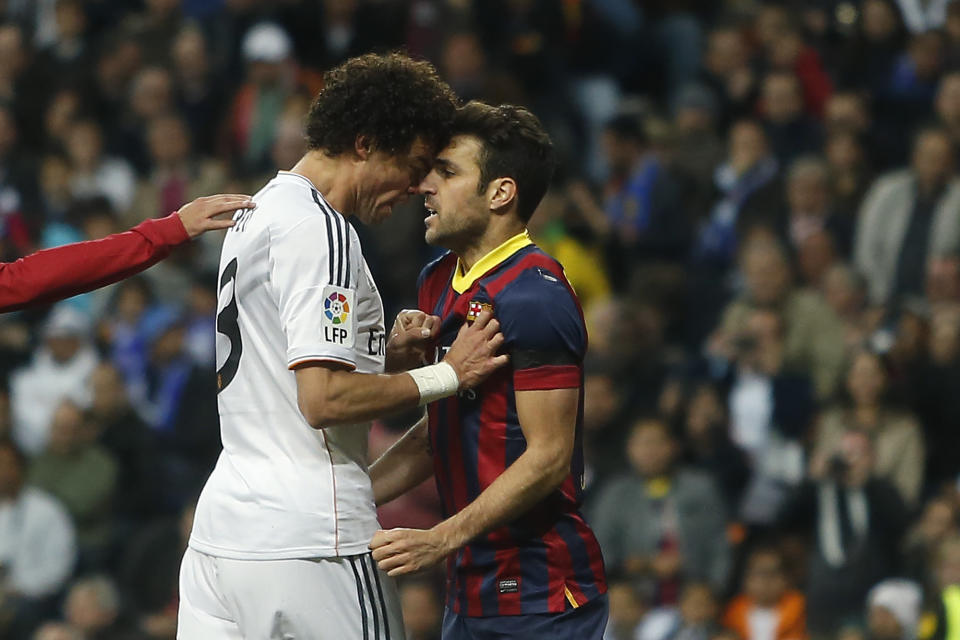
x: 548, y: 559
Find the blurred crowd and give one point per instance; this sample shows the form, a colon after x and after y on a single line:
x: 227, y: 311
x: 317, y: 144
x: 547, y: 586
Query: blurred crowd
x: 758, y: 206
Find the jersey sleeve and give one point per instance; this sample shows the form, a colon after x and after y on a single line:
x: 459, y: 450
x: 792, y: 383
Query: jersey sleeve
x: 310, y: 270
x: 543, y: 330
x: 61, y: 272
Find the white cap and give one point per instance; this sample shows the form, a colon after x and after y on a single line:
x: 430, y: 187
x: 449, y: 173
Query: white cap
x: 902, y: 598
x: 66, y: 322
x: 266, y: 42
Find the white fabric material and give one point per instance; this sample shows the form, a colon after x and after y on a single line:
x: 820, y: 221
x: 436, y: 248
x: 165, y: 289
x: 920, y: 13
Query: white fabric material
x: 923, y: 15
x: 37, y: 390
x: 282, y: 489
x: 37, y: 543
x: 320, y: 599
x: 902, y: 598
x: 762, y: 623
x: 751, y: 411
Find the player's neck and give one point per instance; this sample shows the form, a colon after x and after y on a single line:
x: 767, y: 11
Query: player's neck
x: 493, y: 238
x: 331, y: 175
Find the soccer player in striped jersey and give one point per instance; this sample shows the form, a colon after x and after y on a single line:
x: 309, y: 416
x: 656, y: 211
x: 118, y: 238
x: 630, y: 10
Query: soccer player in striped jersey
x: 279, y: 547
x: 507, y: 456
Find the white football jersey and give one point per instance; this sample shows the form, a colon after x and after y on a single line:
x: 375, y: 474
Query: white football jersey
x: 294, y: 287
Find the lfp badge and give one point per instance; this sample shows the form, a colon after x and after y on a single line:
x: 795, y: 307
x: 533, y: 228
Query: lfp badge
x: 475, y: 308
x: 336, y: 308
x: 338, y: 322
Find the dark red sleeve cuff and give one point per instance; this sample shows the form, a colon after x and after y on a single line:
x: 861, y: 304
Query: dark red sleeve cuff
x: 565, y: 376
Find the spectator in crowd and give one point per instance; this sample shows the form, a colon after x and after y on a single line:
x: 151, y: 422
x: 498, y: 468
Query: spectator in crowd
x: 555, y: 229
x: 695, y: 618
x: 708, y: 445
x: 908, y: 217
x: 696, y: 148
x: 93, y: 608
x: 151, y: 96
x: 57, y: 631
x: 812, y: 333
x: 122, y: 433
x: 177, y: 175
x: 748, y: 193
x: 674, y: 528
x: 809, y: 206
x: 83, y: 476
x: 934, y: 387
x: 198, y: 89
x: 944, y: 572
x: 96, y: 174
x: 641, y: 199
x: 893, y: 610
x: 937, y: 523
x: 898, y: 444
x: 947, y: 105
x: 149, y: 570
x: 849, y: 173
x: 845, y: 292
x: 791, y: 132
x: 627, y: 610
x: 37, y: 547
x: 270, y: 80
x: 59, y: 371
x: 771, y: 408
x: 728, y: 72
x: 767, y: 608
x: 855, y: 522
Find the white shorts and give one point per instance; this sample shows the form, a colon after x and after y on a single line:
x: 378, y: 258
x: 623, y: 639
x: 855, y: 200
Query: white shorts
x: 345, y: 598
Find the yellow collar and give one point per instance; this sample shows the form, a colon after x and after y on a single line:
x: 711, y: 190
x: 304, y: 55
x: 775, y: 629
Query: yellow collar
x: 463, y: 281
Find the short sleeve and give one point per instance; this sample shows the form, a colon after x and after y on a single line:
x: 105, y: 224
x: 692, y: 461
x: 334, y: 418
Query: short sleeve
x: 543, y: 330
x: 310, y: 270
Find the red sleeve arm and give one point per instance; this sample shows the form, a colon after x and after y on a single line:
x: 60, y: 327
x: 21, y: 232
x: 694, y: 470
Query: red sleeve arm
x: 61, y: 272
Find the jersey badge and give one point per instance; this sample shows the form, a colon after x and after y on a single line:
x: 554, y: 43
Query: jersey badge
x: 476, y: 308
x: 339, y: 320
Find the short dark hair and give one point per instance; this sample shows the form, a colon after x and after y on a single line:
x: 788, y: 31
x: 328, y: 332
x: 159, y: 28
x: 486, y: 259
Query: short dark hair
x: 513, y: 144
x: 390, y: 98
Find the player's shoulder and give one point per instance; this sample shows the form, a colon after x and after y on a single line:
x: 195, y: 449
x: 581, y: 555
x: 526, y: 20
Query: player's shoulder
x: 530, y: 274
x: 290, y: 200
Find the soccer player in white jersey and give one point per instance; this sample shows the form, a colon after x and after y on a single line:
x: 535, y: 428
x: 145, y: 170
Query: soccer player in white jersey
x: 279, y: 547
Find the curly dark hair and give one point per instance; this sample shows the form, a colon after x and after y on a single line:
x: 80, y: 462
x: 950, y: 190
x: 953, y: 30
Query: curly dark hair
x: 513, y: 144
x: 390, y: 98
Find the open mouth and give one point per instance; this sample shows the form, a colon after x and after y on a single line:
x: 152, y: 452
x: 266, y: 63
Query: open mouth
x: 431, y: 214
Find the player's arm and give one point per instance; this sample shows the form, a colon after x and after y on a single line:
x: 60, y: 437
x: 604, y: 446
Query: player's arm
x: 330, y: 395
x: 403, y: 466
x: 61, y: 272
x: 548, y: 421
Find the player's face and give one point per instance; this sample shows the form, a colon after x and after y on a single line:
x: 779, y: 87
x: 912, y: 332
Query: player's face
x: 389, y: 179
x: 457, y: 213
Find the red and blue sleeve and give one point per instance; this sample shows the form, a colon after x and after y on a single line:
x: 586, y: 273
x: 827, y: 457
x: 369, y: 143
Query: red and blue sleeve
x: 543, y: 330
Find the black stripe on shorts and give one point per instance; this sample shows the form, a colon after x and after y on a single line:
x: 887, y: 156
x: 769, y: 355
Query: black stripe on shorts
x: 363, y: 608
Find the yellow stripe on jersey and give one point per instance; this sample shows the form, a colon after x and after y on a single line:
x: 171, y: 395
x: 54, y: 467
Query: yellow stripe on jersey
x: 570, y: 598
x: 463, y: 281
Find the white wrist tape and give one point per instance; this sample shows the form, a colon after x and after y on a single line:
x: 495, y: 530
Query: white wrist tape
x: 435, y: 381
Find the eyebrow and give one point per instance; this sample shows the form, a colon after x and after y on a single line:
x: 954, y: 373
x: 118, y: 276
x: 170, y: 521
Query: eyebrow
x: 443, y: 163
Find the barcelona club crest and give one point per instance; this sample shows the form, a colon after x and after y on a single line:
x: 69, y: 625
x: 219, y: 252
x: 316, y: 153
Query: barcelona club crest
x: 476, y: 308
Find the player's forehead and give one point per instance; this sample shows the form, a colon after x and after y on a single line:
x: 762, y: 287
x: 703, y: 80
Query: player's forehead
x: 462, y: 151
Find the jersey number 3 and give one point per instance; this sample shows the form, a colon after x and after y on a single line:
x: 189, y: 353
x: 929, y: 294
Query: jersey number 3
x: 227, y: 325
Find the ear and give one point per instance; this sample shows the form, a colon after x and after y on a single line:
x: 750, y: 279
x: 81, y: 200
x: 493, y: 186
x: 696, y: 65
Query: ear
x: 502, y: 194
x: 363, y: 146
